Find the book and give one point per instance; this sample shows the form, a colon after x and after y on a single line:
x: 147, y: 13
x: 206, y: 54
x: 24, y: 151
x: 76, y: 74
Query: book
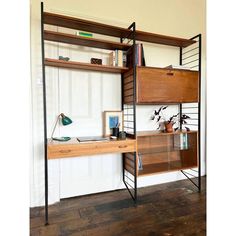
x: 139, y: 56
x: 116, y: 58
x: 84, y: 34
x: 120, y: 58
x: 140, y: 162
x: 112, y: 59
x: 181, y: 141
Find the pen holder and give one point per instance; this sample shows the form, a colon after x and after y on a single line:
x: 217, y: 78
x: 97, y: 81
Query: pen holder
x: 115, y: 132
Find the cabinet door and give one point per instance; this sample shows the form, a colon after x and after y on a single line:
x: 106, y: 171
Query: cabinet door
x: 156, y: 85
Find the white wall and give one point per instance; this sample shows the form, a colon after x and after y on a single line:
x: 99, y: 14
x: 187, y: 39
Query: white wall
x: 84, y: 95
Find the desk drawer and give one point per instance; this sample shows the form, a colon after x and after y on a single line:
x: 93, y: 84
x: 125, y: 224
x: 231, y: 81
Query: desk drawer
x: 85, y: 149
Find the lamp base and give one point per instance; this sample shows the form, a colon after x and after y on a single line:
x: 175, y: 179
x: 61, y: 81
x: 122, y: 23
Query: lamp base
x: 62, y: 139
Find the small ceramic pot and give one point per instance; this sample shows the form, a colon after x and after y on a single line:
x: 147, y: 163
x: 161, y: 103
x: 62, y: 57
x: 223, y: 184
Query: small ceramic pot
x: 169, y: 127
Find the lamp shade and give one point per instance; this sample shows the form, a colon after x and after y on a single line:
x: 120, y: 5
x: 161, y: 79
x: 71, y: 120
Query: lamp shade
x: 65, y: 119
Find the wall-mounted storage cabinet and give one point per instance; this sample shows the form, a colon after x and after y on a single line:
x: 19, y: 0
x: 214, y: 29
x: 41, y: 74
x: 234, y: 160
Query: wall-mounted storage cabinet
x: 158, y: 85
x: 162, y: 85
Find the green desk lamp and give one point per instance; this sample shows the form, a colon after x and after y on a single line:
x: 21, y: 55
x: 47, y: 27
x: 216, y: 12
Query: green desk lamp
x: 65, y: 121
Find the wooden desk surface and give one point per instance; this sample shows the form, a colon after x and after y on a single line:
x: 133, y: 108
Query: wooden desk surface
x: 74, y: 148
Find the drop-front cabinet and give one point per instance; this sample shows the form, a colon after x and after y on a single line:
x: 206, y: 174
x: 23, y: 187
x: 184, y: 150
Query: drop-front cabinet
x: 158, y: 85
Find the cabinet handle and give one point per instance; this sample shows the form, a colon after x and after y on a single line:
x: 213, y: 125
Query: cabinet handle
x: 170, y: 73
x: 65, y: 151
x: 122, y: 146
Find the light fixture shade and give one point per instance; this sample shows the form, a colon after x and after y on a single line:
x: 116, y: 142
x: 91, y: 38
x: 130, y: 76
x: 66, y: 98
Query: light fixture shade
x: 65, y: 119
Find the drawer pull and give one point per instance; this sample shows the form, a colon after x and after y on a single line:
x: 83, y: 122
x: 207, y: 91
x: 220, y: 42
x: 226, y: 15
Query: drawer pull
x: 122, y: 146
x: 170, y: 73
x: 65, y: 151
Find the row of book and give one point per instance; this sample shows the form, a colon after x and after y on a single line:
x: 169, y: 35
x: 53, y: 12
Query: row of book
x: 117, y: 58
x: 126, y: 59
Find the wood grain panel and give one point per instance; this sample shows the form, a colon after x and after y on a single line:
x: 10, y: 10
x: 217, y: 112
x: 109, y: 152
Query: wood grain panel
x: 84, y: 66
x: 155, y: 85
x: 83, y: 41
x: 74, y: 148
x: 100, y: 28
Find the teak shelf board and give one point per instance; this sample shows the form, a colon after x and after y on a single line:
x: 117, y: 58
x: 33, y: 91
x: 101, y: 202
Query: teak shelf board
x: 84, y: 66
x: 95, y: 27
x: 155, y: 133
x: 153, y: 150
x: 83, y: 41
x: 86, y: 25
x: 162, y: 39
x: 73, y: 148
x: 152, y: 169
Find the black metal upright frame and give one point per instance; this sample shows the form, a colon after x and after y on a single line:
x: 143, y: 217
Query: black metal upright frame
x: 44, y: 117
x: 194, y: 55
x: 130, y: 179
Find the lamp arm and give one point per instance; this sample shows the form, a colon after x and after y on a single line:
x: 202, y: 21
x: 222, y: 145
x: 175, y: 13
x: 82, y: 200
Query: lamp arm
x: 55, y: 126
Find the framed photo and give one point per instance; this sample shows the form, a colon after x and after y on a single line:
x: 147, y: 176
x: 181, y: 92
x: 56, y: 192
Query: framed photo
x: 112, y: 119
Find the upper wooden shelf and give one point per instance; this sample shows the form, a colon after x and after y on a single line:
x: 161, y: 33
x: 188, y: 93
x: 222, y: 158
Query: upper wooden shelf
x: 84, y: 66
x: 83, y: 41
x: 95, y: 27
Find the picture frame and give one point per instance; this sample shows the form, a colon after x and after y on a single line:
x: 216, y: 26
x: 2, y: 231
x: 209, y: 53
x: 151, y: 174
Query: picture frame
x: 112, y: 119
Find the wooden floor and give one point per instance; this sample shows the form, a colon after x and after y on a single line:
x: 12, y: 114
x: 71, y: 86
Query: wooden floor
x: 168, y: 209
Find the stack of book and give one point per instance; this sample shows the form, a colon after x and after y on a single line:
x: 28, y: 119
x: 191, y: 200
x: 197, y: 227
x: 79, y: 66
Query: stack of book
x: 117, y: 58
x: 139, y: 56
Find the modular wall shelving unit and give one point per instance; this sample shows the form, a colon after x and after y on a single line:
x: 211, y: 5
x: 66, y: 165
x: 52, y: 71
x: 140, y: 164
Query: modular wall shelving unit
x: 158, y: 150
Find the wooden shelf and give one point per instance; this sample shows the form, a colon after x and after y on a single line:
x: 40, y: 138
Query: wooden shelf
x: 153, y: 150
x: 95, y: 27
x: 156, y: 133
x: 151, y: 169
x: 73, y: 148
x: 84, y: 66
x: 83, y: 41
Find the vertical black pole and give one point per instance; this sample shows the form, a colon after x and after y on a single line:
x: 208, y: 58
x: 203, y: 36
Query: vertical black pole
x: 45, y: 118
x: 134, y: 107
x: 180, y: 105
x: 199, y: 112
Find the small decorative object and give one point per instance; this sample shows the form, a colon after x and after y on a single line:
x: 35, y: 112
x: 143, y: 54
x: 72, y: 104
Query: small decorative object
x: 112, y: 119
x: 169, y: 123
x: 84, y: 34
x: 65, y: 121
x: 115, y: 132
x: 64, y: 58
x: 122, y: 135
x: 96, y: 61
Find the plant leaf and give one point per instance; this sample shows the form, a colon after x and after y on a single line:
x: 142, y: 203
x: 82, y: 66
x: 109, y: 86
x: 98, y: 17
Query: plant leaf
x: 187, y: 128
x: 164, y: 107
x: 152, y: 117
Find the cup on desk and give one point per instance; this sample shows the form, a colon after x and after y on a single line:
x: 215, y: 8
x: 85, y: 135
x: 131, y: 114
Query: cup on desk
x: 122, y: 135
x: 115, y: 132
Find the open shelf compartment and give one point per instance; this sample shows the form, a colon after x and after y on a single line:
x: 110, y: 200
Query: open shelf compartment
x: 164, y: 152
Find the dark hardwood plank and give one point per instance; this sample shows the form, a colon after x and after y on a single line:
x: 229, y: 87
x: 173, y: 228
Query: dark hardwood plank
x: 167, y: 209
x: 95, y: 27
x: 83, y: 41
x: 84, y: 66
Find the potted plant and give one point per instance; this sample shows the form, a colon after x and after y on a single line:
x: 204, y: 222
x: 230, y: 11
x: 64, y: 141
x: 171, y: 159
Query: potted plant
x: 160, y: 117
